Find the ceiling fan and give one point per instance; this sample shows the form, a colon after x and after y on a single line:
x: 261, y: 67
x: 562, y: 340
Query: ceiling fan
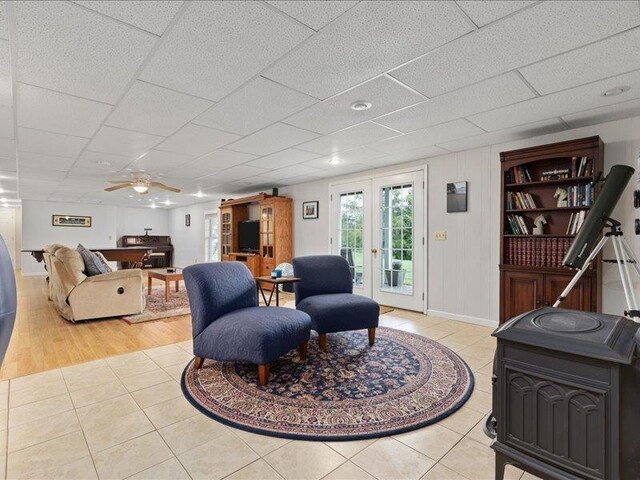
x: 140, y: 182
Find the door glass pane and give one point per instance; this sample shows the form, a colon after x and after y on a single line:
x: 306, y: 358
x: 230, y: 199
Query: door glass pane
x: 211, y: 241
x: 351, y: 232
x: 396, y: 238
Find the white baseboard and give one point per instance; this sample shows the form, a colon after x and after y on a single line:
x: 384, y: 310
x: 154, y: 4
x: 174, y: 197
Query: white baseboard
x: 463, y: 318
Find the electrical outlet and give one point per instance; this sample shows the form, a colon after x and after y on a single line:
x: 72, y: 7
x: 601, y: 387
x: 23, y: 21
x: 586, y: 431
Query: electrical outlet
x: 441, y: 235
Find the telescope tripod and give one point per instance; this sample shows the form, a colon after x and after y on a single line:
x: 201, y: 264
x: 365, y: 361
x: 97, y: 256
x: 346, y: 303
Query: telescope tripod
x: 624, y: 258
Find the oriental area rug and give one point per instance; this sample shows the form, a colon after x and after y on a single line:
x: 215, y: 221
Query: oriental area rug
x: 352, y: 391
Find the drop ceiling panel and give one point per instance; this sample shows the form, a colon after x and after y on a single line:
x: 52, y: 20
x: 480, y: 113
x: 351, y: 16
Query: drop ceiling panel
x: 604, y: 59
x: 258, y: 104
x: 151, y: 109
x: 123, y: 142
x: 6, y: 122
x: 284, y: 173
x: 428, y: 137
x: 486, y: 95
x: 335, y: 113
x: 215, y: 47
x: 57, y: 112
x: 221, y: 159
x: 362, y: 155
x: 282, y: 159
x: 239, y: 172
x: 52, y: 175
x: 64, y: 47
x: 337, y: 170
x: 196, y: 140
x: 546, y: 29
x: 414, y: 154
x: 45, y: 162
x: 561, y: 103
x: 7, y: 148
x: 6, y: 165
x: 37, y: 141
x: 272, y: 139
x: 508, y: 135
x: 366, y: 41
x: 603, y: 114
x: 152, y: 16
x: 488, y: 11
x: 6, y: 96
x: 158, y: 161
x: 4, y: 33
x: 313, y: 14
x: 103, y: 160
x: 348, y: 138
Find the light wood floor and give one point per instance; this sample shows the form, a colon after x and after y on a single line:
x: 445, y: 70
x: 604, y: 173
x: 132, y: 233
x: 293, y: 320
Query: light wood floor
x: 42, y: 340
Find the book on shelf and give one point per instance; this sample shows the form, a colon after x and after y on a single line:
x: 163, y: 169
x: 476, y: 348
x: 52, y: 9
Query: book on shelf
x: 520, y: 201
x: 575, y: 222
x: 519, y: 225
x: 536, y: 251
x: 517, y: 175
x: 555, y: 174
x: 580, y: 195
x: 582, y: 166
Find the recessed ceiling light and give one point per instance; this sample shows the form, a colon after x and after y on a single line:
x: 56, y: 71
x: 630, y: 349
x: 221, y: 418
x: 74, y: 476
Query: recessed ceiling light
x: 167, y: 202
x: 199, y: 194
x: 612, y: 92
x: 360, y: 105
x: 335, y: 161
x: 153, y: 205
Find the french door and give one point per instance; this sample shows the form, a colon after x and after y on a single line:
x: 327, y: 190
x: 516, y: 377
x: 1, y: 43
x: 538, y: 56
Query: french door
x: 378, y: 227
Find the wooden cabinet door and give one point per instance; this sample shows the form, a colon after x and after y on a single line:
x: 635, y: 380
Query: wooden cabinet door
x: 522, y: 292
x: 579, y: 298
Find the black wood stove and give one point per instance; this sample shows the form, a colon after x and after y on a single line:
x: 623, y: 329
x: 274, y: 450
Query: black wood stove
x: 566, y: 395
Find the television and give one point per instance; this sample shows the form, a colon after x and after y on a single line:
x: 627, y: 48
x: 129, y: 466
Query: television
x: 249, y: 236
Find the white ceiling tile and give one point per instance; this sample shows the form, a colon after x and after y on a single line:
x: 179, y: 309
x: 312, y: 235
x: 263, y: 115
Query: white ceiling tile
x: 46, y: 162
x: 158, y: 161
x: 336, y: 170
x: 36, y: 173
x: 282, y: 159
x: 272, y: 139
x: 486, y: 95
x: 105, y: 161
x: 239, y: 172
x: 215, y: 47
x: 335, y: 113
x: 6, y: 122
x: 196, y: 140
x: 258, y: 104
x: 368, y: 40
x: 7, y: 148
x: 57, y: 112
x: 4, y: 33
x: 152, y: 16
x: 362, y: 155
x: 428, y: 137
x: 283, y: 173
x: 613, y: 56
x: 488, y: 11
x: 348, y: 138
x: 222, y: 159
x: 151, y: 109
x: 411, y: 155
x: 64, y: 47
x: 123, y: 142
x: 603, y: 114
x: 534, y: 34
x: 313, y: 14
x: 535, y: 129
x: 561, y: 103
x: 6, y: 96
x: 6, y: 164
x: 37, y: 141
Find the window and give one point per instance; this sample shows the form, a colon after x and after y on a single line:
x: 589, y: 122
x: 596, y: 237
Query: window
x: 211, y: 253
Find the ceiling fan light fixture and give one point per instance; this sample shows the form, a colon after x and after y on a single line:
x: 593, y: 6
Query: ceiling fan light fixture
x: 141, y: 188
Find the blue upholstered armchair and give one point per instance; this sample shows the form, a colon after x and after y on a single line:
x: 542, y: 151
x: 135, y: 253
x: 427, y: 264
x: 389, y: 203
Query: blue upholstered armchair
x: 326, y: 294
x: 8, y: 299
x: 228, y: 325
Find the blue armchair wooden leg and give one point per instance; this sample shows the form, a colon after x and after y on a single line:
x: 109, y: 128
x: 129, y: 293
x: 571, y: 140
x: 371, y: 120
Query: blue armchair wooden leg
x: 372, y: 336
x: 302, y: 350
x: 197, y: 363
x: 322, y: 341
x: 263, y: 374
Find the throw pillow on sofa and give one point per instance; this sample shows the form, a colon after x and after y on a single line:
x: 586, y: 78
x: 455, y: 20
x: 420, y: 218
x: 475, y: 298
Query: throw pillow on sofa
x: 92, y: 263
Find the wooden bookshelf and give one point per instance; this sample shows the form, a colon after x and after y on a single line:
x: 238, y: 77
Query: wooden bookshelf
x: 531, y: 275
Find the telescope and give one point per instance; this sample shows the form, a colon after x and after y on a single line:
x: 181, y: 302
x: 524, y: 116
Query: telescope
x: 588, y: 242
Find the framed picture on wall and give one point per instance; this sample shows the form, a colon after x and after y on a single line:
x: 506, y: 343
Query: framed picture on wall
x: 70, y: 221
x: 187, y: 220
x: 456, y: 197
x: 310, y: 210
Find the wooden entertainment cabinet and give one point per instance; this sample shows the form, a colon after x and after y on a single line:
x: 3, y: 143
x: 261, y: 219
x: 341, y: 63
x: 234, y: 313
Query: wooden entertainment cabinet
x: 276, y: 222
x: 531, y: 274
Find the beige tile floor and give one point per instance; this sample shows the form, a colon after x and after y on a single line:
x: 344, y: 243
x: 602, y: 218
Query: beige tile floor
x: 125, y: 417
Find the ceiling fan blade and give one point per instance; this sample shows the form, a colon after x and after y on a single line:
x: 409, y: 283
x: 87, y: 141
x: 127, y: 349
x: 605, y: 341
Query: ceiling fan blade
x: 117, y: 187
x: 164, y: 187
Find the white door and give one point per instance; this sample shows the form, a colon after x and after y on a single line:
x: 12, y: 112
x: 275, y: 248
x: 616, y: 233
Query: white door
x: 398, y: 240
x: 7, y: 230
x: 211, y: 243
x: 351, y: 231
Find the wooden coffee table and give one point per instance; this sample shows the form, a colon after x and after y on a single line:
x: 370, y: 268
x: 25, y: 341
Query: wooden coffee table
x: 275, y: 283
x: 167, y: 278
